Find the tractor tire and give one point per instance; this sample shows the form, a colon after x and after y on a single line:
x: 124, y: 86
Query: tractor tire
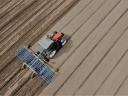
x: 64, y: 42
x: 52, y: 54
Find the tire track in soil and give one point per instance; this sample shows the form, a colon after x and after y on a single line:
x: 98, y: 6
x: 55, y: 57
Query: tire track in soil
x: 12, y: 80
x: 23, y: 18
x: 15, y: 12
x: 9, y: 7
x: 13, y: 91
x: 4, y: 3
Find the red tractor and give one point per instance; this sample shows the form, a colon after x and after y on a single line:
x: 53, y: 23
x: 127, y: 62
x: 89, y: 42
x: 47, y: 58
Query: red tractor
x: 50, y: 44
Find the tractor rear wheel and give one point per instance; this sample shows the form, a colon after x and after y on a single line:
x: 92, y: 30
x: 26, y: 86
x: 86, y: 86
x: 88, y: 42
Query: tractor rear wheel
x: 52, y: 54
x: 64, y: 42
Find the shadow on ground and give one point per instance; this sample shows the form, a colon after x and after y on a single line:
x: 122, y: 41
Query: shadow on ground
x: 66, y: 48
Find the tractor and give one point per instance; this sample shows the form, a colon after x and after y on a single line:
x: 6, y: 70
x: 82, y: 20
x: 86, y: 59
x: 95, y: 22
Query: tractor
x: 37, y: 57
x: 50, y: 44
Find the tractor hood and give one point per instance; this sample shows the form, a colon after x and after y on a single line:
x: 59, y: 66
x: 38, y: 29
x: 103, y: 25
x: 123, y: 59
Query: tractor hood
x: 45, y: 42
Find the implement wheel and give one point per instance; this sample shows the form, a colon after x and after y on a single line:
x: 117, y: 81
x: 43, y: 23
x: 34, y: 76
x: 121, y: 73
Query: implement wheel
x: 33, y: 75
x: 23, y: 67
